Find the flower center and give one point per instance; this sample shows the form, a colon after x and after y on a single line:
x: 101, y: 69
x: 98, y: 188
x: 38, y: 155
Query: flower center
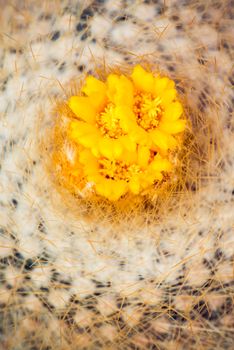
x: 148, y: 110
x: 109, y: 123
x: 117, y: 169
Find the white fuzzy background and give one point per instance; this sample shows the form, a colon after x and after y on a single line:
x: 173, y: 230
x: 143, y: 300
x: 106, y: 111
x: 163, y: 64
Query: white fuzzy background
x: 70, y: 284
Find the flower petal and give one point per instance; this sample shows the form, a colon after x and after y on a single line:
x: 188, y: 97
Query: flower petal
x: 106, y: 147
x: 143, y: 80
x: 119, y: 188
x: 161, y: 164
x: 96, y: 91
x: 80, y: 130
x: 173, y: 111
x: 126, y: 117
x: 143, y: 156
x: 91, y: 170
x: 90, y: 163
x: 99, y: 101
x: 160, y: 84
x: 160, y: 139
x: 95, y: 150
x: 111, y: 189
x: 168, y: 96
x: 120, y: 90
x: 172, y: 142
x: 104, y: 187
x: 128, y: 157
x: 83, y: 108
x: 139, y: 135
x: 173, y: 127
x: 88, y: 141
x: 95, y: 177
x: 83, y: 133
x: 128, y: 143
x: 86, y: 157
x: 117, y: 149
x: 134, y: 185
x: 93, y: 85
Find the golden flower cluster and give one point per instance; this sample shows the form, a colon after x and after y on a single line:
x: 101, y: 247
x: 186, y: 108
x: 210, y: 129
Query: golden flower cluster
x: 126, y: 129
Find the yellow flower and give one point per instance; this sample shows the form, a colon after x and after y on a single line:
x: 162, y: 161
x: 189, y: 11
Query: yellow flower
x: 128, y: 127
x: 132, y: 172
x: 118, y: 114
x: 105, y: 116
x: 158, y: 112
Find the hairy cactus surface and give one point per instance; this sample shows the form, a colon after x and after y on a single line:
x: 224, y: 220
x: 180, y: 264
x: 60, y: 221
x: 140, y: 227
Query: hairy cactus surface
x: 116, y: 175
